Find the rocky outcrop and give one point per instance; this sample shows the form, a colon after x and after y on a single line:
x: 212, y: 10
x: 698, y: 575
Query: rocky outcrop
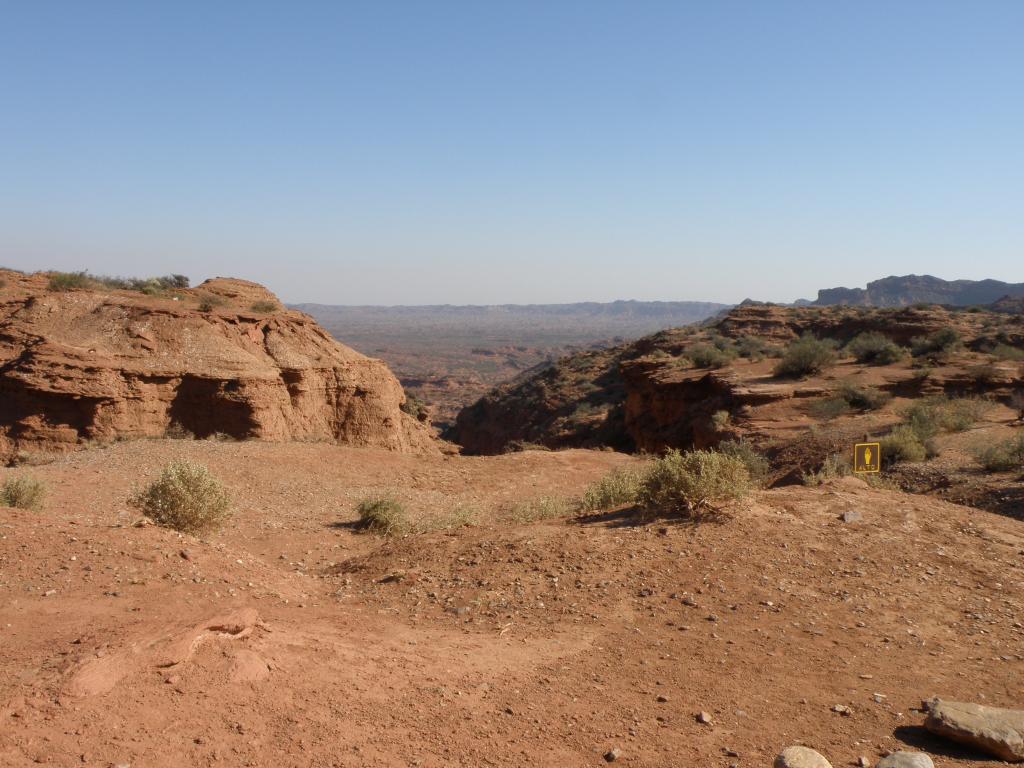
x: 97, y: 365
x: 998, y: 732
x: 914, y: 289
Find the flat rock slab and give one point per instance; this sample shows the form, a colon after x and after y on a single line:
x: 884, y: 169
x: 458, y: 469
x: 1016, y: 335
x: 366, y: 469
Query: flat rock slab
x: 906, y: 760
x: 801, y: 757
x: 999, y: 732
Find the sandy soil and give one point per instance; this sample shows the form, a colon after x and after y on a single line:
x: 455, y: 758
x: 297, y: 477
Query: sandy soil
x: 291, y: 639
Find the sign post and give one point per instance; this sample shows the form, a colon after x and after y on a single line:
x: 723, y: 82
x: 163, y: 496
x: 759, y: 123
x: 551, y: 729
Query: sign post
x: 867, y: 458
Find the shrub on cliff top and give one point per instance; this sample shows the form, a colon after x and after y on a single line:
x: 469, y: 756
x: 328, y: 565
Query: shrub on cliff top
x: 874, y: 349
x: 805, y: 356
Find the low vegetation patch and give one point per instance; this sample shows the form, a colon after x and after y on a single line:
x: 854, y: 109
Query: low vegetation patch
x: 1007, y: 353
x: 185, y: 497
x: 833, y: 467
x: 937, y: 346
x: 805, y: 356
x: 693, y: 484
x: 1006, y: 456
x: 69, y: 281
x: 933, y: 415
x: 616, y: 489
x: 22, y: 493
x: 873, y: 348
x: 384, y: 515
x: 850, y: 397
x: 152, y: 286
x: 264, y: 307
x: 758, y: 466
x: 752, y: 347
x: 905, y: 444
x: 542, y: 508
x: 708, y: 356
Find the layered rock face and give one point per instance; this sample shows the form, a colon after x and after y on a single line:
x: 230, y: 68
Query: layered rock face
x: 89, y: 365
x: 911, y: 289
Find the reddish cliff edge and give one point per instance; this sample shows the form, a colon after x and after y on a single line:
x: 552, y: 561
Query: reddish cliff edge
x: 100, y: 365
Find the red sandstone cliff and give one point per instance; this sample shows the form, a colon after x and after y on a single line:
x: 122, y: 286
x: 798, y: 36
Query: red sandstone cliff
x: 103, y: 365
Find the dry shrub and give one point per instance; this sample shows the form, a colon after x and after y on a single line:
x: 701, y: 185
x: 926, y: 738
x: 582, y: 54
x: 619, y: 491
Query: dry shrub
x: 904, y: 444
x: 833, y: 467
x: 805, y: 356
x: 264, y: 307
x: 874, y: 348
x: 615, y: 489
x: 186, y: 497
x: 69, y: 281
x: 757, y: 464
x: 384, y: 515
x: 936, y: 346
x: 1006, y: 456
x: 693, y: 484
x: 22, y: 493
x: 707, y: 356
x: 542, y: 508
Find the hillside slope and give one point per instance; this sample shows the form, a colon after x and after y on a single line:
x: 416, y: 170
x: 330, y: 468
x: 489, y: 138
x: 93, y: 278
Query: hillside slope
x: 289, y: 639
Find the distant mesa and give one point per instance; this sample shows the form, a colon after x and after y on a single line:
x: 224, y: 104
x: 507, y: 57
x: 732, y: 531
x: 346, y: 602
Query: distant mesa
x: 921, y: 289
x: 81, y: 362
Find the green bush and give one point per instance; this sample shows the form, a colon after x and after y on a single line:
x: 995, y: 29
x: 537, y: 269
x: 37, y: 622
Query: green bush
x: 1002, y: 457
x: 938, y: 346
x: 693, y: 483
x: 874, y: 348
x: 185, y: 497
x: 69, y: 281
x: 752, y: 347
x: 615, y: 489
x: 758, y: 466
x: 708, y: 356
x: 805, y: 356
x: 384, y: 515
x: 264, y: 307
x: 904, y: 444
x: 22, y: 493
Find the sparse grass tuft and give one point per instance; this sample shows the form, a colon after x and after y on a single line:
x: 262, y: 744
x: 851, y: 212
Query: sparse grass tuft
x: 185, y: 497
x: 693, y: 484
x: 384, y: 515
x: 542, y: 508
x: 834, y: 466
x: 943, y: 414
x: 69, y: 281
x: 264, y: 307
x: 1007, y: 353
x: 805, y: 356
x: 874, y: 348
x: 1006, y: 456
x: 615, y: 489
x: 757, y: 464
x: 22, y: 493
x: 721, y: 420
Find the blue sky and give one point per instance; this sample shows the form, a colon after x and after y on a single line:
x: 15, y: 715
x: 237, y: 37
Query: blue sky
x: 482, y: 152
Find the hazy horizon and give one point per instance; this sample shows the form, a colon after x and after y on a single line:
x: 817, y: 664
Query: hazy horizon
x: 460, y: 153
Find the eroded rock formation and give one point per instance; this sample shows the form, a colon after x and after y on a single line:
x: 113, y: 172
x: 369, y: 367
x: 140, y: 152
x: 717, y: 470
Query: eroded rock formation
x: 97, y: 365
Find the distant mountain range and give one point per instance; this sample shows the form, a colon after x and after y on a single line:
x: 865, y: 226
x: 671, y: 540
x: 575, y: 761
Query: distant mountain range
x: 920, y: 289
x: 599, y: 319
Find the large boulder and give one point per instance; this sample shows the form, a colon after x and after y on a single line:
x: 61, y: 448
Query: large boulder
x: 223, y: 358
x: 999, y: 732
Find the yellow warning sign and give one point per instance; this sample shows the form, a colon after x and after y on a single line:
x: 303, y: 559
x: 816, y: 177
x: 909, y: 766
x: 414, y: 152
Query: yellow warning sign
x: 867, y: 457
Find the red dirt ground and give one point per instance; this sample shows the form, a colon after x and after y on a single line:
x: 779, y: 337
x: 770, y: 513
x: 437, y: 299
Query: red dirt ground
x: 290, y: 639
